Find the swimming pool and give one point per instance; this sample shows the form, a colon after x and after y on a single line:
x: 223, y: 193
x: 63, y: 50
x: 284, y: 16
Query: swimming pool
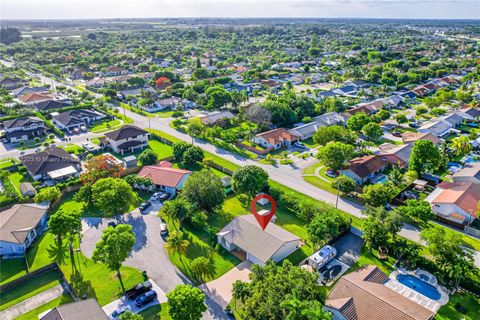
x: 418, y: 285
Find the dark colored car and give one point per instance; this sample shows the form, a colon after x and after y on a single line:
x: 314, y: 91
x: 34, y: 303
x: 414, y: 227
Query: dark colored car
x: 164, y: 197
x: 139, y: 289
x: 112, y: 224
x: 396, y: 134
x: 144, y: 206
x: 413, y: 125
x: 145, y: 298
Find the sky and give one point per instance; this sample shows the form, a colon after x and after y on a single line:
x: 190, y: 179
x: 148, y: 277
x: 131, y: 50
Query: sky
x: 91, y: 9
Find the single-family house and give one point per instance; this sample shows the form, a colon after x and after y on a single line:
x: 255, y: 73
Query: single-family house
x: 306, y: 131
x: 32, y: 98
x: 76, y: 119
x: 469, y: 173
x: 453, y: 118
x: 215, y: 117
x: 25, y: 128
x: 53, y: 163
x: 346, y: 90
x: 411, y: 137
x: 363, y: 295
x: 473, y: 112
x: 12, y: 83
x: 276, y: 138
x: 128, y: 138
x: 79, y: 310
x: 395, y: 154
x: 245, y: 235
x: 165, y: 179
x: 19, y: 226
x: 25, y: 90
x: 51, y: 105
x: 438, y: 127
x: 327, y: 94
x: 115, y: 71
x: 362, y: 169
x: 456, y: 201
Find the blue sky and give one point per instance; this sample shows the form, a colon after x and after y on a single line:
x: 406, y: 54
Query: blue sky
x: 73, y: 9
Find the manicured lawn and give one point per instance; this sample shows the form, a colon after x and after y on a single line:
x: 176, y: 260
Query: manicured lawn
x: 158, y: 312
x: 161, y: 149
x: 367, y: 258
x: 29, y: 289
x: 6, y: 163
x: 320, y: 183
x: 466, y: 300
x: 310, y: 143
x: 105, y: 125
x: 33, y: 314
x: 164, y: 114
x: 312, y: 168
x: 85, y: 276
x: 16, y: 178
x: 11, y: 269
x: 73, y: 148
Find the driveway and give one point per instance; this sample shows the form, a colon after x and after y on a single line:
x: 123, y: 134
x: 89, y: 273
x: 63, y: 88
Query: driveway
x: 220, y: 290
x: 130, y: 304
x: 148, y: 251
x: 348, y: 248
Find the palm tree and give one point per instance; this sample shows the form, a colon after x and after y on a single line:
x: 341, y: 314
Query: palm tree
x: 284, y: 155
x: 461, y: 145
x: 177, y: 244
x: 177, y: 209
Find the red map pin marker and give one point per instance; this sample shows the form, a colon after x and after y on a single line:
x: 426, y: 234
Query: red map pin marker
x: 263, y: 219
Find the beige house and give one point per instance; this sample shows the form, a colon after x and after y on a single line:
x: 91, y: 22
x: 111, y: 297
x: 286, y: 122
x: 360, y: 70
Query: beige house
x: 469, y: 173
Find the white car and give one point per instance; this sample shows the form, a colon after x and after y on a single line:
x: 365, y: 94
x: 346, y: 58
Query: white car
x: 120, y: 310
x: 299, y: 145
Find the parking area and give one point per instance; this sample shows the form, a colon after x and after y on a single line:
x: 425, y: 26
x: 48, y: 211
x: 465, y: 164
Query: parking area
x: 220, y: 290
x: 348, y: 248
x: 130, y: 304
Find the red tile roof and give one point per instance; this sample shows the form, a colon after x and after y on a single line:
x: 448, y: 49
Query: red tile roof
x: 163, y: 176
x: 279, y: 135
x: 366, y: 165
x: 465, y: 195
x: 32, y: 97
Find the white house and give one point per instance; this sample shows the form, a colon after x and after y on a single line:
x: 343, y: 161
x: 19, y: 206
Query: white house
x: 128, y: 138
x: 455, y: 201
x: 244, y: 234
x: 19, y: 226
x: 76, y: 119
x: 165, y: 179
x: 276, y: 138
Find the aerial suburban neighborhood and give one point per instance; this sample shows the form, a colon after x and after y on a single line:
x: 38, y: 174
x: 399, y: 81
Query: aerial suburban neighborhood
x: 254, y: 168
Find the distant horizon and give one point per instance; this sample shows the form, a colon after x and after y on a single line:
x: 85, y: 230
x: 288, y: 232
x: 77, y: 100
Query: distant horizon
x: 308, y: 9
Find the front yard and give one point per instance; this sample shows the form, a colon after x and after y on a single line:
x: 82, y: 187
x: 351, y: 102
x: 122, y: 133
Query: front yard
x: 105, y: 125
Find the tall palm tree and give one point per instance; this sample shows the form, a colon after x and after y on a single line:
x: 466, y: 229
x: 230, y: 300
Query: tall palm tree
x: 461, y: 145
x: 177, y: 244
x: 177, y: 209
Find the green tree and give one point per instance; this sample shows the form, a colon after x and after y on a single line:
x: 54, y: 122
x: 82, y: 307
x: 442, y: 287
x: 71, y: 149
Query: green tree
x: 176, y: 243
x: 147, y: 157
x: 335, y: 154
x: 373, y: 130
x: 358, y: 121
x: 178, y: 209
x: 328, y: 134
x: 114, y: 247
x: 324, y: 227
x: 425, y: 156
x: 128, y: 315
x: 204, y: 189
x: 376, y: 195
x: 203, y: 268
x: 344, y: 184
x: 113, y: 195
x: 179, y: 148
x: 249, y: 180
x: 192, y: 155
x: 186, y: 303
x: 374, y: 232
x: 65, y: 224
x: 419, y: 211
x: 461, y: 145
x: 48, y: 194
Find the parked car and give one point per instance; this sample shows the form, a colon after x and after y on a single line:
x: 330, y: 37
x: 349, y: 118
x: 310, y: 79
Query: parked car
x: 164, y: 197
x: 331, y: 173
x: 121, y: 310
x: 163, y: 229
x: 144, y: 206
x: 299, y: 145
x: 145, y: 298
x: 112, y: 224
x: 396, y: 134
x: 155, y: 196
x: 413, y: 125
x: 139, y: 289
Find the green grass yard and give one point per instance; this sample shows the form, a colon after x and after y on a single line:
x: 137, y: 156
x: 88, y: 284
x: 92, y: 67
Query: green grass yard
x: 466, y: 300
x: 158, y: 312
x: 11, y: 269
x: 29, y: 289
x: 33, y: 314
x: 105, y: 125
x: 6, y: 163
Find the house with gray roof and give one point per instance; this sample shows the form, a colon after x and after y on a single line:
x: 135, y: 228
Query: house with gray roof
x: 244, y: 235
x: 53, y: 163
x: 24, y: 128
x: 76, y: 119
x: 51, y: 105
x: 469, y: 173
x: 24, y: 90
x: 19, y: 226
x: 80, y: 310
x: 306, y: 131
x: 128, y: 138
x: 438, y: 127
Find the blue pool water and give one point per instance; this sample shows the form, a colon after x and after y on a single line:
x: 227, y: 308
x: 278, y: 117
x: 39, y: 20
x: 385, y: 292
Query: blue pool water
x: 418, y: 285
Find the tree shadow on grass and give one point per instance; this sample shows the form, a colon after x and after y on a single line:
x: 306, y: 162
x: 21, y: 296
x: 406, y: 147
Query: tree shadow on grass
x: 79, y: 284
x: 58, y: 251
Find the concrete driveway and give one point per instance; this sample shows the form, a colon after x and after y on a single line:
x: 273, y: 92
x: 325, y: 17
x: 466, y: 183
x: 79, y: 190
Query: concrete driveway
x: 130, y: 304
x: 220, y: 290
